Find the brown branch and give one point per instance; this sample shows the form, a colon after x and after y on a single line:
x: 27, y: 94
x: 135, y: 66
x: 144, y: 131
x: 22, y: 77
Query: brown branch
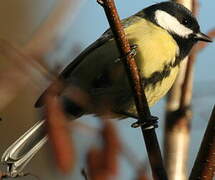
x: 204, y: 166
x: 187, y: 85
x: 178, y: 116
x: 195, y: 7
x: 134, y: 77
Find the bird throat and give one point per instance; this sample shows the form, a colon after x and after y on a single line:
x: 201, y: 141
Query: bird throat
x: 185, y: 46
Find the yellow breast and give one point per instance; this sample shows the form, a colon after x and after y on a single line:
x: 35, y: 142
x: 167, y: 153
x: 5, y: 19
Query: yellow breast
x: 155, y: 49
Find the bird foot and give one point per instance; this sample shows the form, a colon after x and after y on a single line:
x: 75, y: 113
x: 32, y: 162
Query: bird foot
x: 131, y: 53
x: 150, y: 123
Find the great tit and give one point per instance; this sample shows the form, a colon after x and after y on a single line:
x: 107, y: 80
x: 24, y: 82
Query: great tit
x: 164, y: 34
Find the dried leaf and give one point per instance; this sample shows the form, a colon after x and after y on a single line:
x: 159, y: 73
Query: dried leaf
x: 58, y: 131
x: 111, y: 147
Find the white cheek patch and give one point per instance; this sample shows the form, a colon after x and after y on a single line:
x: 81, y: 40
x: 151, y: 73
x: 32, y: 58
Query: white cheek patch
x: 171, y: 24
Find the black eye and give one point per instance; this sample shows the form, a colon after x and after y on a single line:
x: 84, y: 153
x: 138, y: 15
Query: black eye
x: 185, y: 21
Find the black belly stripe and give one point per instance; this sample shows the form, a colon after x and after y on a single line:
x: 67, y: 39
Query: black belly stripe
x: 158, y: 76
x: 104, y: 81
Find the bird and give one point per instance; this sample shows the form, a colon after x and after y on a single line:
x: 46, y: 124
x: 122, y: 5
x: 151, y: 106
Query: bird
x: 163, y: 34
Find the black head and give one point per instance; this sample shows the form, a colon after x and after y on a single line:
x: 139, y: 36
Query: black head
x: 178, y: 21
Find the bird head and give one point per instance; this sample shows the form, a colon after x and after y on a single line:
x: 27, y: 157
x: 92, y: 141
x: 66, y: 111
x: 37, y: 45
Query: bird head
x: 177, y: 20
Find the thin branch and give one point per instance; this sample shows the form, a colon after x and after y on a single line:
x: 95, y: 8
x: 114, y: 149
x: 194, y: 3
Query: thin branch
x: 187, y: 86
x: 178, y: 115
x: 204, y: 166
x: 178, y: 120
x: 136, y: 84
x: 195, y: 7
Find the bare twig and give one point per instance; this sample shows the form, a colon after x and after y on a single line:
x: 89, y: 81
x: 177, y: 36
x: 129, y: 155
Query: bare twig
x: 187, y: 86
x: 178, y: 115
x: 195, y: 7
x: 137, y: 87
x: 204, y: 166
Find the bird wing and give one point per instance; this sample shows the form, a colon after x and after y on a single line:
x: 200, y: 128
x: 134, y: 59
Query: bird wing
x: 99, y: 42
x: 107, y: 35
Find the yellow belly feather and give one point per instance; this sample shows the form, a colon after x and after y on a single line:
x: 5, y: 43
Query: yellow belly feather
x: 155, y: 48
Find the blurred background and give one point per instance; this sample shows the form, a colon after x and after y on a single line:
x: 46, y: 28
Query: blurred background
x: 59, y: 31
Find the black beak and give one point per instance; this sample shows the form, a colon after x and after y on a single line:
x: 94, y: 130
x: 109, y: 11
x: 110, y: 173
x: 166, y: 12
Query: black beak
x: 202, y: 37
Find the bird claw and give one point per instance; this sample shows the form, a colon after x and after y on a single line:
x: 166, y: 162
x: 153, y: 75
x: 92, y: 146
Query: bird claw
x: 150, y: 123
x: 133, y: 50
x: 131, y: 53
